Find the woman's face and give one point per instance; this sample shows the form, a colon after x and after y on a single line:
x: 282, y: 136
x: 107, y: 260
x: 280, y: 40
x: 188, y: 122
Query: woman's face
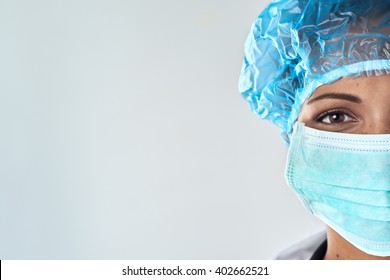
x: 350, y: 105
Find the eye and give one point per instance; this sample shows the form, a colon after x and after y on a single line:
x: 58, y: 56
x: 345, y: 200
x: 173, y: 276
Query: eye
x: 335, y: 117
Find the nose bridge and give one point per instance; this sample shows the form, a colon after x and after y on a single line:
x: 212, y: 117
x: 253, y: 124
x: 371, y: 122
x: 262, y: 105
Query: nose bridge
x: 379, y: 121
x: 380, y: 128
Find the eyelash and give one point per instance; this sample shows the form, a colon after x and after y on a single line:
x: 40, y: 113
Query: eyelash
x: 327, y: 114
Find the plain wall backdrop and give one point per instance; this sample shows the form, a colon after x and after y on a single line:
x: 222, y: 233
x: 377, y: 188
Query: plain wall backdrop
x: 123, y: 135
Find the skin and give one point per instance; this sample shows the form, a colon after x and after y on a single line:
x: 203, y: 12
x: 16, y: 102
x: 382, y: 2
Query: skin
x: 350, y: 105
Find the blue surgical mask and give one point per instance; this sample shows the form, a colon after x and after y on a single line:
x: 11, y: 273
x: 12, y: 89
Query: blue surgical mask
x: 344, y: 179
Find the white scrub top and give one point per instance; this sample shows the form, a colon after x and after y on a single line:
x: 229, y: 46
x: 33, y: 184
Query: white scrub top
x: 305, y: 249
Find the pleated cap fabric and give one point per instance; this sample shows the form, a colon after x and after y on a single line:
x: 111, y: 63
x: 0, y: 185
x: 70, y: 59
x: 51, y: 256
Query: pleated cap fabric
x: 295, y: 46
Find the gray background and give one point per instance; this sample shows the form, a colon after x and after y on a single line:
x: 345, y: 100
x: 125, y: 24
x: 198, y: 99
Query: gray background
x: 123, y: 135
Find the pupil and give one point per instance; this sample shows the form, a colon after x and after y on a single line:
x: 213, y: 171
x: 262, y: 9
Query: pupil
x: 337, y: 117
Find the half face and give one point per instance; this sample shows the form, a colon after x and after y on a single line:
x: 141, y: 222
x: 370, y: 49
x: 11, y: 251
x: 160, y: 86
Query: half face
x: 358, y: 105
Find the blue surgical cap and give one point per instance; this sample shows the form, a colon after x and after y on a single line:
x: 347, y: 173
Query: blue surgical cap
x: 295, y: 46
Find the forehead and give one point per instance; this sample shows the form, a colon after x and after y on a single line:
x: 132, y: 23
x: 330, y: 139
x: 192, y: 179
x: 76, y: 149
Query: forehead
x: 363, y: 86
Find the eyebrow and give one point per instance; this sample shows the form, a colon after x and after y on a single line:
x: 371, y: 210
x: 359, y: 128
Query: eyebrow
x: 336, y: 95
